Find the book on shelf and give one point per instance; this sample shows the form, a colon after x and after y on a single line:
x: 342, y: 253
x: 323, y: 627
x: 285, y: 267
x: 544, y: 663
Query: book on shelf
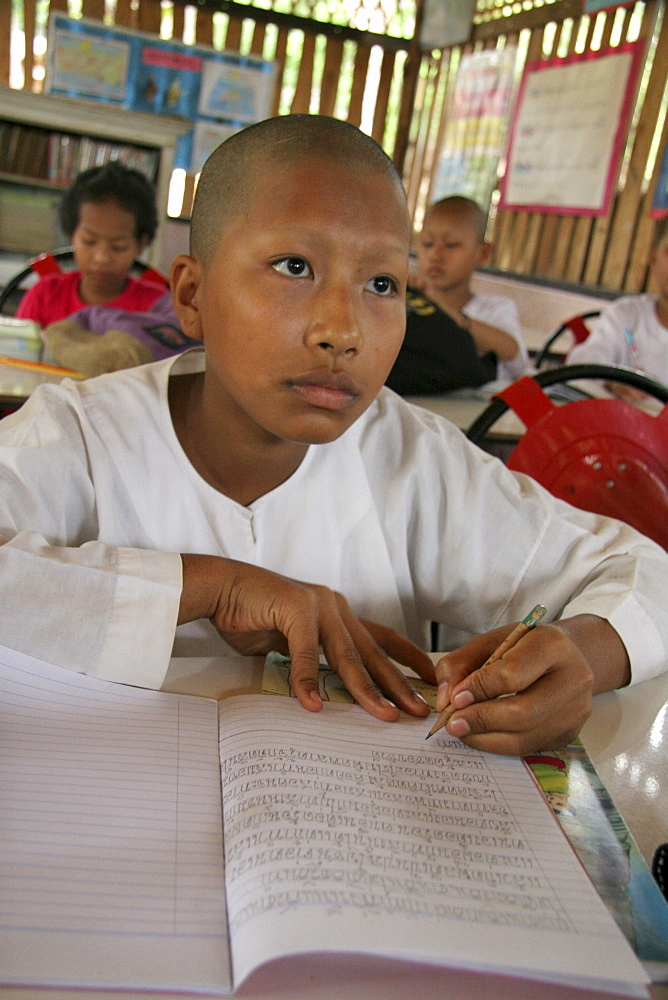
x: 335, y: 834
x: 58, y: 157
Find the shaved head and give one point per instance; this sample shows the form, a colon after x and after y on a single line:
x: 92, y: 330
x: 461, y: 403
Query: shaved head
x: 231, y: 174
x: 465, y: 209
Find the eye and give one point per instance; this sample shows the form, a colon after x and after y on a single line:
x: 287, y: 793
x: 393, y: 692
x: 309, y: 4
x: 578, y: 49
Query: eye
x: 296, y: 267
x: 382, y: 285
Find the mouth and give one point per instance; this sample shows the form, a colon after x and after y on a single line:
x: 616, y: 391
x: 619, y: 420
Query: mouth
x: 326, y: 390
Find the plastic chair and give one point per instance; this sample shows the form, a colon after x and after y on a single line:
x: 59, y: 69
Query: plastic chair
x: 49, y: 263
x: 602, y: 455
x: 577, y: 325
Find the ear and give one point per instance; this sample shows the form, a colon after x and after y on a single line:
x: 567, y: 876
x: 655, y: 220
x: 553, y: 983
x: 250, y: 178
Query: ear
x: 185, y: 278
x: 485, y: 251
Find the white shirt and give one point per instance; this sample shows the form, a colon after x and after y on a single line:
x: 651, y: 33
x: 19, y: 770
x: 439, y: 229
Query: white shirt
x: 608, y: 342
x: 401, y: 514
x: 501, y: 312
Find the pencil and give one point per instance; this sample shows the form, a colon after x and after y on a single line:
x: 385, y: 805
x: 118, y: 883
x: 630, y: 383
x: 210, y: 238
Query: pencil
x: 38, y: 367
x: 524, y: 626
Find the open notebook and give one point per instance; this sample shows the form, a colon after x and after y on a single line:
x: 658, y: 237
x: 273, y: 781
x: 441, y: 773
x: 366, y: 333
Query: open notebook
x: 341, y: 834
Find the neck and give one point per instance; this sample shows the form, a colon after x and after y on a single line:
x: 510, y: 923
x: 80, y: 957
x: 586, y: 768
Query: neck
x: 240, y: 465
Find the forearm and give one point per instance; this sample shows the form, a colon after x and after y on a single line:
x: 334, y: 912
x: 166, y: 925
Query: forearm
x: 490, y: 338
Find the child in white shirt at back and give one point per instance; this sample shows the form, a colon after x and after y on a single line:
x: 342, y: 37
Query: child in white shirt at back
x: 633, y: 330
x: 451, y: 247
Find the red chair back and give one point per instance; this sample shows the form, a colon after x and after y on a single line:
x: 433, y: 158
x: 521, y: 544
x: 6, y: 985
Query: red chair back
x: 602, y: 455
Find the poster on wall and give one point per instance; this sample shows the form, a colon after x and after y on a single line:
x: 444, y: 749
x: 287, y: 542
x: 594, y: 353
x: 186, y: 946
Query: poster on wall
x: 474, y: 136
x: 235, y: 91
x: 142, y: 72
x: 164, y: 79
x: 568, y: 132
x: 85, y: 61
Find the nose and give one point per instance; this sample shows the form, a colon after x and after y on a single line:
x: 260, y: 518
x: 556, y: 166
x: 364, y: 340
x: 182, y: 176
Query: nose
x: 334, y: 326
x: 101, y: 253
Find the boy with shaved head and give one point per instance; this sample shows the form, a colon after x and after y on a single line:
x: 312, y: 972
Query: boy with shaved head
x: 266, y: 491
x: 450, y: 248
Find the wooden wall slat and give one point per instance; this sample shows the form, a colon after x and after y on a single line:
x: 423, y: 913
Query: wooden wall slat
x: 546, y: 246
x: 360, y: 70
x: 29, y: 60
x: 179, y: 18
x: 149, y: 16
x: 301, y: 101
x: 562, y: 247
x: 628, y: 203
x: 93, y: 9
x: 330, y: 76
x: 204, y: 27
x: 280, y: 54
x: 503, y: 237
x: 596, y: 251
x: 637, y: 274
x: 257, y: 41
x: 233, y: 34
x: 529, y: 249
x: 382, y: 96
x: 5, y: 36
x: 125, y: 15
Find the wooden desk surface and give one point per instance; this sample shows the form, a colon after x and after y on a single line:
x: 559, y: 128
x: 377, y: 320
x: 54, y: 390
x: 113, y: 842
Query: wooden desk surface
x: 462, y: 407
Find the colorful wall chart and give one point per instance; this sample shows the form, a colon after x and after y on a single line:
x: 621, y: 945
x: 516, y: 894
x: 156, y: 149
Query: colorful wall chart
x: 219, y: 92
x: 568, y: 132
x: 476, y: 126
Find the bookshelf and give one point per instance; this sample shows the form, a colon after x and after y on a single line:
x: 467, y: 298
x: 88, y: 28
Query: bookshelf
x: 46, y: 139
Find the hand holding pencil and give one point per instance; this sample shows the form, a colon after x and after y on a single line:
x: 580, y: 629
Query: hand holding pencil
x: 552, y: 673
x: 521, y: 629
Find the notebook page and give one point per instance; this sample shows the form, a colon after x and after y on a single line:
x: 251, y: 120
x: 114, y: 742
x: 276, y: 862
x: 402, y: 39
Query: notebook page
x: 111, y: 831
x: 345, y: 833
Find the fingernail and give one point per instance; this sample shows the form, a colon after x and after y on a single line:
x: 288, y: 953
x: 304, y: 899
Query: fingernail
x: 458, y: 727
x: 418, y: 697
x: 386, y: 701
x: 463, y: 699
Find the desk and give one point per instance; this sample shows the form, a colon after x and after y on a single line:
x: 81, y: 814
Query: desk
x: 17, y: 383
x: 463, y: 406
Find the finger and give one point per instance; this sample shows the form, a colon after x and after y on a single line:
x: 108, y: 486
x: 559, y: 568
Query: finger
x: 383, y: 673
x: 402, y: 650
x: 300, y: 626
x: 453, y: 668
x: 513, y: 726
x: 346, y: 659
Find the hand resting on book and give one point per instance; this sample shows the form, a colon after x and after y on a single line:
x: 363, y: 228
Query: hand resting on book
x: 257, y: 611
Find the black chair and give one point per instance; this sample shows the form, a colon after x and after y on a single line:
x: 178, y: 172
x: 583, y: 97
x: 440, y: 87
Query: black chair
x: 577, y: 325
x: 49, y: 263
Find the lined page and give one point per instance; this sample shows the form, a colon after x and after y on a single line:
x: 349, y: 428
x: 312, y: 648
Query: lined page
x: 346, y: 833
x: 111, y: 830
